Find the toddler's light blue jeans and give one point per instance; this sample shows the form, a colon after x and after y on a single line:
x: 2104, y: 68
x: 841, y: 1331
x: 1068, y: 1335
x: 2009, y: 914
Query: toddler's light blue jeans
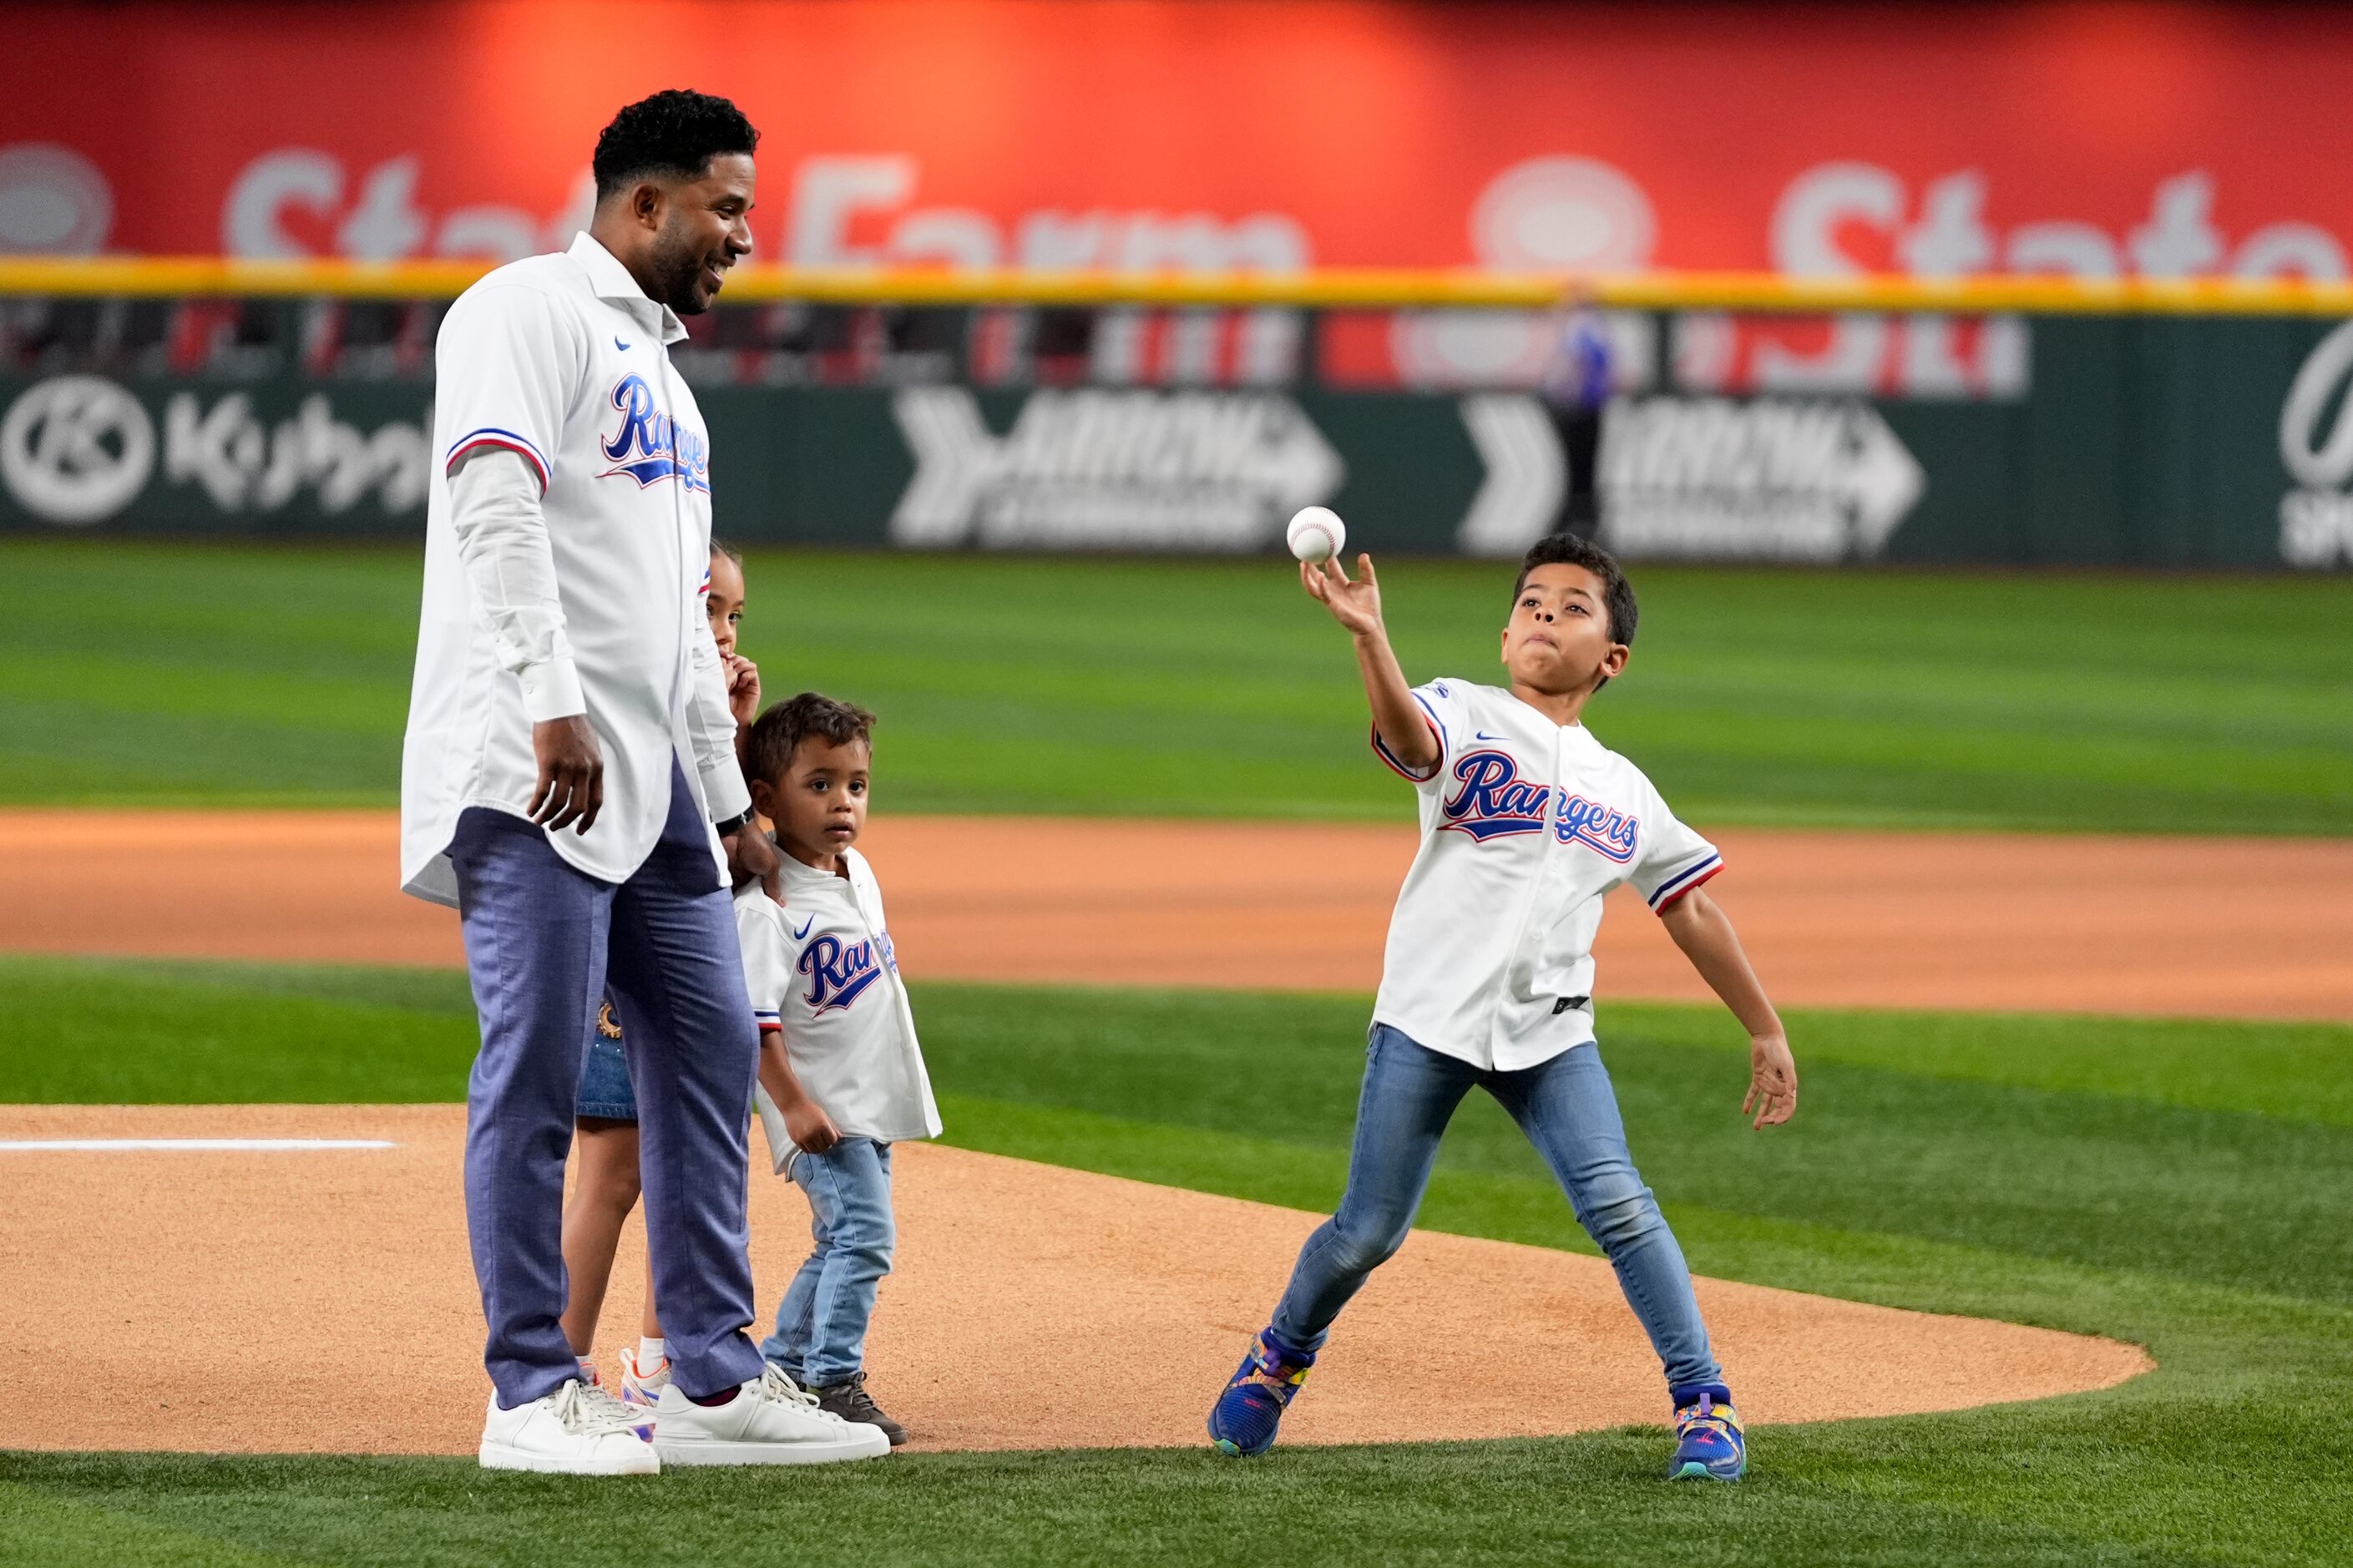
x: 820, y: 1335
x: 1567, y: 1111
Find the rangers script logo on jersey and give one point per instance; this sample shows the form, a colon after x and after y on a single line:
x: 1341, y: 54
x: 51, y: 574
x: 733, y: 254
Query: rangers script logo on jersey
x: 839, y: 972
x: 1601, y: 828
x: 1494, y: 802
x: 662, y: 447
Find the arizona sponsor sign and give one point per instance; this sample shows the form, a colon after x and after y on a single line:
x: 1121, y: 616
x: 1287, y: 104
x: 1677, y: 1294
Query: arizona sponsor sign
x: 1766, y: 479
x: 1116, y: 468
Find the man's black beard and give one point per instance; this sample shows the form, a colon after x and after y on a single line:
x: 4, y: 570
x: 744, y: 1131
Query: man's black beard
x: 678, y: 275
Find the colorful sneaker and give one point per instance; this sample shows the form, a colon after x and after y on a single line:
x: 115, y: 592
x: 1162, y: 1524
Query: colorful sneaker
x: 642, y: 1385
x: 1708, y: 1442
x: 1243, y: 1422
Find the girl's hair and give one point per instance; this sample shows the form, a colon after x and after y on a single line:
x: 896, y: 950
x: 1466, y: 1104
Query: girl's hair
x: 721, y: 547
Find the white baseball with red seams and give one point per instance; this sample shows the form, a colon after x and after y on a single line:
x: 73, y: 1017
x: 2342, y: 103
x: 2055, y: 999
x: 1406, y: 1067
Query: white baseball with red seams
x: 1316, y: 533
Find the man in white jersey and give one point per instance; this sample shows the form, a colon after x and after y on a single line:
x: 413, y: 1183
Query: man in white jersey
x: 570, y: 754
x: 1527, y: 821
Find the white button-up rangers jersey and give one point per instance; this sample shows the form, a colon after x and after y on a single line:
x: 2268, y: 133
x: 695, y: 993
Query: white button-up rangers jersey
x: 820, y: 968
x: 1526, y: 824
x: 562, y: 361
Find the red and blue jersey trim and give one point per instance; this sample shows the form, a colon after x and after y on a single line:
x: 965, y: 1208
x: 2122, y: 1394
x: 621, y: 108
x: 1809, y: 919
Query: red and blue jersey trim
x: 507, y: 440
x: 1435, y: 722
x: 1437, y: 728
x: 1381, y: 749
x: 1685, y: 880
x: 769, y: 1020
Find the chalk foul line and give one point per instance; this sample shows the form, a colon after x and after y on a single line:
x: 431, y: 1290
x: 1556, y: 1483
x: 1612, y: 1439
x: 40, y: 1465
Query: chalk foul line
x: 194, y: 1145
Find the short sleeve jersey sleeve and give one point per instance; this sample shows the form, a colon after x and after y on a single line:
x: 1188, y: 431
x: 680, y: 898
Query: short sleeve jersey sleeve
x: 768, y: 958
x: 1445, y: 704
x: 506, y: 363
x: 1674, y: 858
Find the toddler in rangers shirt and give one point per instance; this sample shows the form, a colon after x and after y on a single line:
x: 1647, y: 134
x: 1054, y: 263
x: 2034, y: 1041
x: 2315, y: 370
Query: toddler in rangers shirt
x: 841, y: 1076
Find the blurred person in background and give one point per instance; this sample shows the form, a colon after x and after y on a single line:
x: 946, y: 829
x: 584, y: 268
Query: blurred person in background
x: 1575, y: 387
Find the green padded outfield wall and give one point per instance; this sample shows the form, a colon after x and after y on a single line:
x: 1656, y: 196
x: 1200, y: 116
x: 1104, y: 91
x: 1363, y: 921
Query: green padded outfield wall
x: 2093, y: 441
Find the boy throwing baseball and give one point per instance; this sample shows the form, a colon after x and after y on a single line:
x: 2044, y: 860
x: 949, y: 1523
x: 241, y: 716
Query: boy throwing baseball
x: 1527, y: 821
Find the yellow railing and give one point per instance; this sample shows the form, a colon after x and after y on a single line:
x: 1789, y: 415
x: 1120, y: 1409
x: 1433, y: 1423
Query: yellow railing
x: 1333, y: 288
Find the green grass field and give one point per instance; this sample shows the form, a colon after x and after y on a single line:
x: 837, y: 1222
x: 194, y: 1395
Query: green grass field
x: 2180, y: 1184
x: 158, y: 673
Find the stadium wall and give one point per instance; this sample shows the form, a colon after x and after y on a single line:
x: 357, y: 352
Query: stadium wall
x: 2159, y: 440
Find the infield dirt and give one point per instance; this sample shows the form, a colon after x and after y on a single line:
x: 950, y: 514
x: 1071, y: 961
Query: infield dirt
x: 2217, y: 927
x: 321, y: 1301
x: 337, y: 1264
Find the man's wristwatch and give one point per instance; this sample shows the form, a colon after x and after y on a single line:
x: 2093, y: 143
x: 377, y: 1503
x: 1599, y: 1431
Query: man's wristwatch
x: 736, y: 824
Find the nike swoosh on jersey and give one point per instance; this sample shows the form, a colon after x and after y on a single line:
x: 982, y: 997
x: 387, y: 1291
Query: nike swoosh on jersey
x: 620, y: 345
x: 1482, y: 735
x: 804, y: 932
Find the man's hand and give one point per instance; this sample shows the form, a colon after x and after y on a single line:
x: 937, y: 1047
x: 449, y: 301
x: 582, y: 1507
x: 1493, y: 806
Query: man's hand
x: 809, y: 1127
x: 1356, y: 606
x: 742, y: 688
x: 571, y: 774
x: 752, y: 857
x: 1772, y: 1081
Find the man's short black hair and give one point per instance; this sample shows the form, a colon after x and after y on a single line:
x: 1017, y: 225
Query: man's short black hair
x: 675, y: 132
x: 1569, y: 549
x: 778, y: 733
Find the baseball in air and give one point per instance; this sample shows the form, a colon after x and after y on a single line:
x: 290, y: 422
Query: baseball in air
x: 1316, y: 533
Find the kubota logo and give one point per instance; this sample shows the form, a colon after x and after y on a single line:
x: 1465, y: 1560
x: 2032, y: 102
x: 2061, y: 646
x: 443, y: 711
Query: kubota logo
x: 76, y: 448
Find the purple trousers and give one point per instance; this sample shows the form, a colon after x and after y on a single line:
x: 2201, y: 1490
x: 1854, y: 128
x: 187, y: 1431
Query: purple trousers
x: 542, y: 944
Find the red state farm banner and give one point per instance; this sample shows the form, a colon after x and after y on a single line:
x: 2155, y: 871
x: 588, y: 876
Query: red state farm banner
x: 1923, y: 139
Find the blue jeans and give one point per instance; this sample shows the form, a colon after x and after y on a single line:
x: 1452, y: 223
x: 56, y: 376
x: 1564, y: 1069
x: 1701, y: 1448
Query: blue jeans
x: 605, y: 1091
x: 1565, y: 1108
x: 542, y: 942
x: 820, y: 1335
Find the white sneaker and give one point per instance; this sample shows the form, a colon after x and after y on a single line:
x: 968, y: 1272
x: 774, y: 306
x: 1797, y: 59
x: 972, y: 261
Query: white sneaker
x: 575, y: 1431
x: 640, y: 1386
x: 770, y: 1422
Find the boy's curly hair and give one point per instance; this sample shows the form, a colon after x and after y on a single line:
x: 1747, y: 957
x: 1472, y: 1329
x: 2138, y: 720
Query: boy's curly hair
x: 777, y: 734
x: 1569, y: 549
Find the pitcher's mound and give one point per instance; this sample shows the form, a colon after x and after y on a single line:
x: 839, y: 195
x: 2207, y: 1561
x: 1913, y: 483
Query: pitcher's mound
x: 321, y: 1301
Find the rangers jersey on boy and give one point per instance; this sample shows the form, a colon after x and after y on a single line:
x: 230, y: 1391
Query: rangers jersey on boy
x: 819, y: 968
x: 1526, y: 824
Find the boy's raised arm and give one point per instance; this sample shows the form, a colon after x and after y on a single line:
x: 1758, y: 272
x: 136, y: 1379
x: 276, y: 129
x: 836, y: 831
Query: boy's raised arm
x: 1705, y: 934
x: 1403, y: 727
